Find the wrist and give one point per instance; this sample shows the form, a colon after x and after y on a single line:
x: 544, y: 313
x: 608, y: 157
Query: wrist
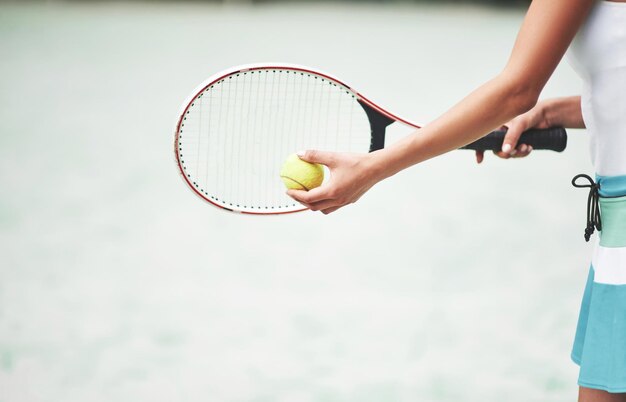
x: 547, y: 112
x: 376, y: 168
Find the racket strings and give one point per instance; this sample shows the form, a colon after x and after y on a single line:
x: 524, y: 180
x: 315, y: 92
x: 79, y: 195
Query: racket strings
x: 239, y: 130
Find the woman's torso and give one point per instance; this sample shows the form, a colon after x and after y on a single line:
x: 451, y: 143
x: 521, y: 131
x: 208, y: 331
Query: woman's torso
x: 598, y: 54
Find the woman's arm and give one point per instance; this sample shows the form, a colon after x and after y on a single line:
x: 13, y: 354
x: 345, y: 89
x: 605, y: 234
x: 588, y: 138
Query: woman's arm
x: 563, y: 112
x: 547, y: 30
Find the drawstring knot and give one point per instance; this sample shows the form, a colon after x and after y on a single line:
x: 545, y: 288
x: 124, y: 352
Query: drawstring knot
x: 593, y: 209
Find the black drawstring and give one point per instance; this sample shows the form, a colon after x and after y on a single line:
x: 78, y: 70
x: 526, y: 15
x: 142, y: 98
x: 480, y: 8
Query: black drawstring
x: 593, y: 210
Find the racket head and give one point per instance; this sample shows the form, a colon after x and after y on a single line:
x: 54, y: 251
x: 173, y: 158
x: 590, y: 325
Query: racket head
x: 236, y: 128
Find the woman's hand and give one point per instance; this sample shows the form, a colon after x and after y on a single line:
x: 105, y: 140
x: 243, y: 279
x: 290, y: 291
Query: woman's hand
x: 534, y: 118
x: 351, y: 175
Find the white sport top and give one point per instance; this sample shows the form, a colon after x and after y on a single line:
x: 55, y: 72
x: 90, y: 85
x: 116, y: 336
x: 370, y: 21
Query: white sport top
x: 598, y: 54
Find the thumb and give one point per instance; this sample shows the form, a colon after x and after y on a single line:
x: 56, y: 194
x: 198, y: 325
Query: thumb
x: 314, y: 156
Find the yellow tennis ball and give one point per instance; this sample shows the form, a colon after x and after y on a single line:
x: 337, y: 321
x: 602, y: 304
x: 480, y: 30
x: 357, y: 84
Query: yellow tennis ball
x: 300, y: 175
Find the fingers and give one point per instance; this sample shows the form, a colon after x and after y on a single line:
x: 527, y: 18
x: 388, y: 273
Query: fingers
x: 521, y: 151
x: 309, y: 197
x: 326, y: 204
x: 329, y: 210
x: 321, y: 202
x: 314, y: 156
x: 315, y: 202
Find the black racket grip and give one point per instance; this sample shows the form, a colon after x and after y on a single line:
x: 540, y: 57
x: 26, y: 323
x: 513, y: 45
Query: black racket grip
x: 553, y: 139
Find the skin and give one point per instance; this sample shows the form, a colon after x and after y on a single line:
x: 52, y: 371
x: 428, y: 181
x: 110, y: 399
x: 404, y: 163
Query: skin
x: 509, y: 99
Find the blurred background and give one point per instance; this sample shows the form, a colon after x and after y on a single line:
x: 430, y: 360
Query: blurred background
x: 448, y: 282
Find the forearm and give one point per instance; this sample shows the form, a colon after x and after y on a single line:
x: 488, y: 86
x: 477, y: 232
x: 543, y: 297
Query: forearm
x: 488, y: 107
x: 563, y: 112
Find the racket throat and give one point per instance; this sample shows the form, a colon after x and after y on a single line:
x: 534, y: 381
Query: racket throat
x: 378, y: 125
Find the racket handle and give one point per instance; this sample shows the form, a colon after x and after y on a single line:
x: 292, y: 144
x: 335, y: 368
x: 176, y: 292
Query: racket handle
x: 553, y: 139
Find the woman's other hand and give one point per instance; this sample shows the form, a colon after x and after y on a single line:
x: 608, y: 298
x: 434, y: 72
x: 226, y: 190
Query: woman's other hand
x: 351, y: 175
x: 534, y: 118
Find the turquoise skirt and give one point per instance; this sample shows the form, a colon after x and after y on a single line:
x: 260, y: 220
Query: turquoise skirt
x: 600, y: 342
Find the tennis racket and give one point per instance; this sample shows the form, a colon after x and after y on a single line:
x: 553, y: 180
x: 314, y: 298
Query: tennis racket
x: 237, y: 127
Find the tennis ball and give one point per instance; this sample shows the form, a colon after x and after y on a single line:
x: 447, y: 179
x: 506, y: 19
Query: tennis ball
x: 300, y: 175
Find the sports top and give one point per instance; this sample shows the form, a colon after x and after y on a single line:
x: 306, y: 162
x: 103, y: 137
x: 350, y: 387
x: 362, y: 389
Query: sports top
x: 598, y: 54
